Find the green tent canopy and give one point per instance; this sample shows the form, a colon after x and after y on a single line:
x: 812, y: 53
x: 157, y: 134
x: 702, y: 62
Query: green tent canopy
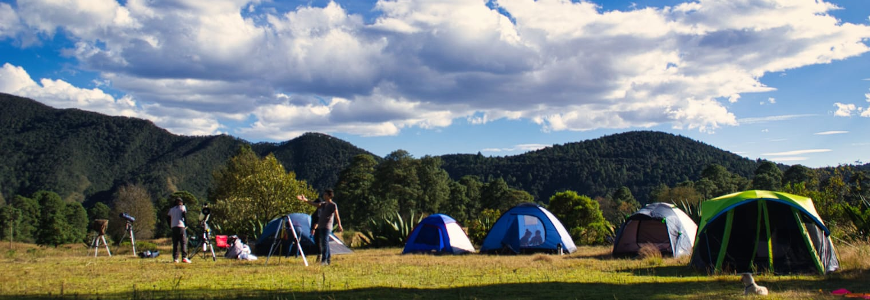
x: 758, y: 231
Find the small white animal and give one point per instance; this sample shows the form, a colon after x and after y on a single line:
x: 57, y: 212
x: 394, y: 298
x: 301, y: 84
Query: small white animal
x: 750, y: 287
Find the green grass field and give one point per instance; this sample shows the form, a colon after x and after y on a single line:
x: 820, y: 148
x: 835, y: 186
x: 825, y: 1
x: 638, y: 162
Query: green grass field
x: 69, y: 272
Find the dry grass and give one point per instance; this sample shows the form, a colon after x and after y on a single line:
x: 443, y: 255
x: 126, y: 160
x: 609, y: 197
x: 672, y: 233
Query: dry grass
x: 650, y: 254
x: 590, y: 273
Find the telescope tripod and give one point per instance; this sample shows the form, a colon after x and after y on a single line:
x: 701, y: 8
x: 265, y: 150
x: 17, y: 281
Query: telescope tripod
x: 206, y: 241
x: 129, y: 230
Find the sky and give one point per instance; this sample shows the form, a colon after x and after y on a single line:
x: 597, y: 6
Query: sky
x: 781, y: 80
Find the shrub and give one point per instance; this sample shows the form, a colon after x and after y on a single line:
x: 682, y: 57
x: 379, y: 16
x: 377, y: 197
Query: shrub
x: 389, y: 231
x: 478, y: 228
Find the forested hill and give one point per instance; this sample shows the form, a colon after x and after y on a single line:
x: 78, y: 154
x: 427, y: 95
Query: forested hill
x: 640, y: 160
x: 85, y: 155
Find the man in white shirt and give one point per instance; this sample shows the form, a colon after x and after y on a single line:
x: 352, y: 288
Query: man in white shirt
x: 176, y: 217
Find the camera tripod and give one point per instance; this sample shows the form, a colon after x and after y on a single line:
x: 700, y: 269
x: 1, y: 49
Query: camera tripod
x: 129, y: 230
x: 99, y: 227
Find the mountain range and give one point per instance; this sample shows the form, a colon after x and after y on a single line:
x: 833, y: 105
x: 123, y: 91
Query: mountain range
x: 85, y: 156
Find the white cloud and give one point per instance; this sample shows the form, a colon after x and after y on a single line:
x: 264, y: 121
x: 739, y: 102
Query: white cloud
x: 797, y: 152
x: 517, y: 148
x: 831, y: 132
x: 60, y: 94
x: 791, y: 158
x: 564, y: 65
x: 10, y: 24
x: 844, y: 110
x: 772, y: 118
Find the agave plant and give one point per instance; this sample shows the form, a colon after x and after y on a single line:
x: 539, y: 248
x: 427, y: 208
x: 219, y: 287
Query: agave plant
x: 693, y: 209
x: 860, y: 217
x: 389, y: 231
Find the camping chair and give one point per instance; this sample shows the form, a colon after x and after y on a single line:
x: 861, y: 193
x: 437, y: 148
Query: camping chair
x: 221, y: 241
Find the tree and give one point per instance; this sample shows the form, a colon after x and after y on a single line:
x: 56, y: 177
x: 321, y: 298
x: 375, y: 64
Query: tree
x: 581, y: 216
x: 11, y: 218
x: 251, y: 191
x: 135, y: 201
x: 397, y: 182
x: 724, y: 182
x: 53, y: 228
x: 473, y: 188
x: 457, y: 203
x: 77, y: 218
x: 354, y: 191
x: 99, y: 211
x: 767, y: 177
x: 626, y: 204
x: 680, y: 194
x: 801, y: 174
x: 434, y: 185
x: 30, y: 214
x: 494, y: 194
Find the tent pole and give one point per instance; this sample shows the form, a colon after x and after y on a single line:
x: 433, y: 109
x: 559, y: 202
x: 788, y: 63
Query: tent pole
x: 757, y: 233
x: 729, y: 220
x: 769, y: 237
x: 809, y: 244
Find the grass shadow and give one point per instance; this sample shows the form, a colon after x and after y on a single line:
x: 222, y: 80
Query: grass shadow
x: 667, y: 271
x: 723, y: 289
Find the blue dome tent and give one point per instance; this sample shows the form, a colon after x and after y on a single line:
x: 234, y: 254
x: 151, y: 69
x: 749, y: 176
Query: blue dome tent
x: 438, y: 233
x: 302, y: 224
x: 527, y: 228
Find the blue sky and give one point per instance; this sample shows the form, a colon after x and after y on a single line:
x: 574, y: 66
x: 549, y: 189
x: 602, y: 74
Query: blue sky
x: 783, y: 80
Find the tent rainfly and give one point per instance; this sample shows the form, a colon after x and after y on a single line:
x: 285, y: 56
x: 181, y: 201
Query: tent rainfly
x: 756, y: 231
x: 660, y: 224
x: 440, y: 234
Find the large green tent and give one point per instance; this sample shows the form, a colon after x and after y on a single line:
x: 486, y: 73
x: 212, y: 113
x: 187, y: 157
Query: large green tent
x: 758, y: 231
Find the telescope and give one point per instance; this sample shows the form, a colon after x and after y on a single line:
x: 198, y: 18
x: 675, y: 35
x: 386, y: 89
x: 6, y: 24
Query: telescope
x: 127, y: 217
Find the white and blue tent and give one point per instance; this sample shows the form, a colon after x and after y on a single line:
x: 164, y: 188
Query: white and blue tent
x: 527, y: 228
x: 662, y: 225
x: 438, y: 234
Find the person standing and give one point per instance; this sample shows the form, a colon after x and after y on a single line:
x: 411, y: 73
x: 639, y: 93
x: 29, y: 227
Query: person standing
x: 176, y: 218
x: 324, y: 226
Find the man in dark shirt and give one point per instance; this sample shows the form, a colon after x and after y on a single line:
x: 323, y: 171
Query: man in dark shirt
x: 323, y: 228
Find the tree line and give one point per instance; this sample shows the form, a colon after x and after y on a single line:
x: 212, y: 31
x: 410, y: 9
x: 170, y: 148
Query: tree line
x: 251, y: 190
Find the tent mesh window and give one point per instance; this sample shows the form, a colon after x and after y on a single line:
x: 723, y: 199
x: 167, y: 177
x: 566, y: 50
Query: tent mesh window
x: 531, y: 231
x: 428, y: 235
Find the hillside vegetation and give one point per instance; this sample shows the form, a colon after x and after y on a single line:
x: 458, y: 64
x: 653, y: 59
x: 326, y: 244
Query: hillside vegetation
x: 641, y: 161
x: 85, y: 156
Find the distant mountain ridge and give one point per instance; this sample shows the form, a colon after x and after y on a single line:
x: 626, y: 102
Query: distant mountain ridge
x: 639, y: 160
x: 86, y: 155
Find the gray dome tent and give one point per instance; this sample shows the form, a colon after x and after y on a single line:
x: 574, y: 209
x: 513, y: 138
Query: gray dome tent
x: 659, y: 224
